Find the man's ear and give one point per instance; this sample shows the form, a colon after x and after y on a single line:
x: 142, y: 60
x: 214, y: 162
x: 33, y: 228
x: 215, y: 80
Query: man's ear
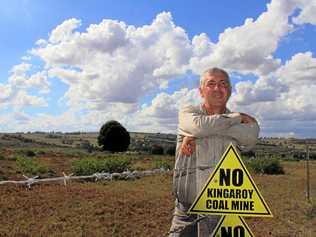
x: 201, y: 93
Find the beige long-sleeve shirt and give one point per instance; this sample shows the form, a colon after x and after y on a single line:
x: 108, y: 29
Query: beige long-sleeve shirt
x: 213, y: 134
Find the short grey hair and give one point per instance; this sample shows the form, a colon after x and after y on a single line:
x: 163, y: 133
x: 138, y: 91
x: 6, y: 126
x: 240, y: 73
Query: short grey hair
x: 215, y: 70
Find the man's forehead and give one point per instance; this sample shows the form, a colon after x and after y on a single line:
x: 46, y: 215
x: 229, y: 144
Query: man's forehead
x: 215, y: 77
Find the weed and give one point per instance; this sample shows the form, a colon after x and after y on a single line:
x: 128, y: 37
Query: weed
x: 266, y: 166
x: 88, y: 166
x: 311, y: 212
x: 163, y: 164
x: 28, y: 166
x: 171, y: 151
x: 2, y: 157
x: 30, y: 153
x: 157, y: 150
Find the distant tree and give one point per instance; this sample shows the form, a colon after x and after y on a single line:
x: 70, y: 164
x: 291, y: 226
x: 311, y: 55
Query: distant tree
x: 113, y: 137
x: 171, y: 151
x: 157, y: 150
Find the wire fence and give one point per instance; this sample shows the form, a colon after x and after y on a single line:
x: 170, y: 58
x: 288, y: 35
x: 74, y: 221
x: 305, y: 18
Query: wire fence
x: 126, y: 175
x: 103, y: 176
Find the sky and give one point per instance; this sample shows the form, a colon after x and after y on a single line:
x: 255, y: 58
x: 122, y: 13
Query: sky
x: 73, y: 65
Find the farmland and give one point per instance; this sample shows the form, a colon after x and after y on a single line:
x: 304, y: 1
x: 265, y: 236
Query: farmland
x: 141, y: 207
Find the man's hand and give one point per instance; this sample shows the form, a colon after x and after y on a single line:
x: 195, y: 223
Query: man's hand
x: 188, y: 146
x: 245, y: 118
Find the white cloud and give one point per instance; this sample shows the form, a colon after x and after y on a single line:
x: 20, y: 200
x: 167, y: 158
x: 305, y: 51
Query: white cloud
x: 109, y: 67
x: 300, y: 69
x: 285, y: 100
x: 116, y: 62
x: 15, y: 93
x: 263, y: 90
x: 64, y: 32
x: 5, y: 93
x: 20, y: 79
x: 113, y: 62
x: 249, y: 48
x: 162, y: 113
x: 22, y: 99
x: 307, y: 14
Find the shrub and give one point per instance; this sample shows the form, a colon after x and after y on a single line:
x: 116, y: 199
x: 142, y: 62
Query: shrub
x: 113, y: 137
x: 163, y: 164
x: 312, y: 156
x: 311, y: 212
x: 248, y: 153
x: 266, y: 166
x: 2, y: 157
x: 30, y: 153
x: 171, y: 151
x: 27, y: 165
x: 88, y: 166
x: 299, y: 155
x: 157, y: 150
x: 87, y: 146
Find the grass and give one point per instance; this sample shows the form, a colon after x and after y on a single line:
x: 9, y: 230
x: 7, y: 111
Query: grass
x: 141, y: 207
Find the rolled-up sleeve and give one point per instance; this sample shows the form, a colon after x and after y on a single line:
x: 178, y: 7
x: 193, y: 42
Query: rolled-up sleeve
x: 193, y: 124
x: 246, y: 134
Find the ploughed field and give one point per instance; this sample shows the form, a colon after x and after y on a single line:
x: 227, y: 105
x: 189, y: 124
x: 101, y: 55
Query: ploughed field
x: 141, y: 207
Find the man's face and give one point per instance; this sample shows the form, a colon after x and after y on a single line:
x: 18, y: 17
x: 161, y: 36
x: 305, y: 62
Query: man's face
x: 215, y: 89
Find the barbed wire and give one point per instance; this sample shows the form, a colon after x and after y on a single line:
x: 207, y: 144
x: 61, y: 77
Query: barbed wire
x: 126, y: 175
x: 105, y: 175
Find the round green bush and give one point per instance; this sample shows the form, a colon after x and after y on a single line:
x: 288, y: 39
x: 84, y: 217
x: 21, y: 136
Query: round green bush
x: 113, y: 137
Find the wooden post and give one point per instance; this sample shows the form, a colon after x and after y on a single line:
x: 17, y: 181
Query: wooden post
x: 307, y: 174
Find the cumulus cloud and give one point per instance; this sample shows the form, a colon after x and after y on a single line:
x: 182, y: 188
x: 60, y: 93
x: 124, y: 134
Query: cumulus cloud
x: 111, y: 66
x: 15, y: 95
x: 263, y: 90
x: 249, y: 48
x: 114, y: 62
x: 300, y: 69
x: 307, y: 14
x: 161, y: 115
x: 64, y: 32
x: 285, y: 100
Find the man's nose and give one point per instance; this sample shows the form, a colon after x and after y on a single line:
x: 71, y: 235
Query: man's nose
x: 216, y: 86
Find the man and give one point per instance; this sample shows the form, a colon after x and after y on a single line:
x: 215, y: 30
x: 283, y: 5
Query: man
x: 204, y: 132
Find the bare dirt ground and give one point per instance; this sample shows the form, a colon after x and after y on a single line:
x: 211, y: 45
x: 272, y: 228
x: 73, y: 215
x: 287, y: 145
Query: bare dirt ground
x: 141, y: 207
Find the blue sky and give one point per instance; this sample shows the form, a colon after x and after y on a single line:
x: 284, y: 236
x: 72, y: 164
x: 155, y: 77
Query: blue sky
x: 72, y: 65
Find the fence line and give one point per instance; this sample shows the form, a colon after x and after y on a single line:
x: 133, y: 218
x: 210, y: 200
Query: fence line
x: 126, y: 175
x: 103, y: 176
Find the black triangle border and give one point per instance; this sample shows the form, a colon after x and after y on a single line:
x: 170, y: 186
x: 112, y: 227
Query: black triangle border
x: 219, y: 224
x: 268, y: 214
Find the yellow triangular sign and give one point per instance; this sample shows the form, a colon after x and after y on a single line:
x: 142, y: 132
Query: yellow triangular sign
x: 230, y: 190
x: 230, y: 226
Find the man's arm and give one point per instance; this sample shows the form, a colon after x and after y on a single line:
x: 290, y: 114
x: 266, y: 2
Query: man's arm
x: 193, y: 124
x: 246, y: 134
